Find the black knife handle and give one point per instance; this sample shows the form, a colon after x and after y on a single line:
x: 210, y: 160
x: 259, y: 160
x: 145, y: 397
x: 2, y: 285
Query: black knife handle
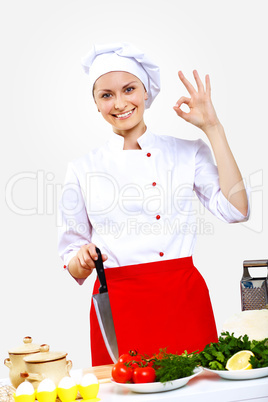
x: 101, y: 272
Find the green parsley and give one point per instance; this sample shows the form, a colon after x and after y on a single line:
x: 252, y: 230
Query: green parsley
x: 215, y: 355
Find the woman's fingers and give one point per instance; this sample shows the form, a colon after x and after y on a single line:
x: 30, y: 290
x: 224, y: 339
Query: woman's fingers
x: 177, y: 107
x: 198, y: 81
x: 92, y: 251
x: 87, y: 256
x: 186, y: 83
x: 202, y: 113
x: 182, y: 100
x: 208, y: 85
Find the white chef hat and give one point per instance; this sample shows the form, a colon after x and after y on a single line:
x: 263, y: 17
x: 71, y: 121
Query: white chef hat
x: 105, y: 58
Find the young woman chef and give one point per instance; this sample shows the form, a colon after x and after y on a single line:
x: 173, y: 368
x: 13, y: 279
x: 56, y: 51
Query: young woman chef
x: 133, y: 198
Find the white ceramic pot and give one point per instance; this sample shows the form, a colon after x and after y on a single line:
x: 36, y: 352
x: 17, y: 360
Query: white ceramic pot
x: 46, y: 364
x: 15, y: 362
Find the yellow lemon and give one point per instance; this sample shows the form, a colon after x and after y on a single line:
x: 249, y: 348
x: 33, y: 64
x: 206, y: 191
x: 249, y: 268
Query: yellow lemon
x: 240, y: 361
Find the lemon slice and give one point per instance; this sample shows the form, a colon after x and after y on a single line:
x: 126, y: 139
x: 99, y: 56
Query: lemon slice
x: 240, y: 361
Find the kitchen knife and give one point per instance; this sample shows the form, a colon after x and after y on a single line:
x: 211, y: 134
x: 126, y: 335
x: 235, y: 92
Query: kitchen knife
x: 103, y: 310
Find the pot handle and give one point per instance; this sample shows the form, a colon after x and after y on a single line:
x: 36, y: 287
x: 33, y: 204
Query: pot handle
x: 8, y: 363
x: 32, y: 376
x: 69, y: 364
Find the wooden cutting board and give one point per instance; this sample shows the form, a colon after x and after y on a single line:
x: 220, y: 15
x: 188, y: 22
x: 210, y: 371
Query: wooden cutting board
x: 103, y: 373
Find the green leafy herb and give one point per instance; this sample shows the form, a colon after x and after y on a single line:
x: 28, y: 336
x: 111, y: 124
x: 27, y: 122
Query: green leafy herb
x: 170, y: 366
x: 215, y: 355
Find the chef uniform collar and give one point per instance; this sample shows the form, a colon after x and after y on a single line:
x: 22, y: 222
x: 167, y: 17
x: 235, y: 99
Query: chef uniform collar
x: 106, y: 58
x: 116, y: 141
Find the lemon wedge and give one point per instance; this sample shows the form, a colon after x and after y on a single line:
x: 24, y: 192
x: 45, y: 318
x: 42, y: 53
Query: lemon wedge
x: 240, y: 361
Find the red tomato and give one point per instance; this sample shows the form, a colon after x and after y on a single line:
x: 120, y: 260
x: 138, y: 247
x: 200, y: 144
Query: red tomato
x: 132, y: 355
x: 121, y: 373
x: 124, y: 358
x: 143, y: 375
x: 149, y: 363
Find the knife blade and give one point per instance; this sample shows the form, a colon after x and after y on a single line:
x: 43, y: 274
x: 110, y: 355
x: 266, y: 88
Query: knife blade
x: 103, y: 311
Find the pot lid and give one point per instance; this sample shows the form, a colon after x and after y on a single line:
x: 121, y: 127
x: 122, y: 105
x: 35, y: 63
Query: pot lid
x: 44, y: 355
x: 26, y: 348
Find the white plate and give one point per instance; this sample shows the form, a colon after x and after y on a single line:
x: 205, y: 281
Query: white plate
x: 159, y: 386
x: 241, y: 374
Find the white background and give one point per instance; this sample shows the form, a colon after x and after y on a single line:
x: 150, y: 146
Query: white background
x: 48, y: 119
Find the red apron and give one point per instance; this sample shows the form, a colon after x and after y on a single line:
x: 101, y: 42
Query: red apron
x: 164, y: 304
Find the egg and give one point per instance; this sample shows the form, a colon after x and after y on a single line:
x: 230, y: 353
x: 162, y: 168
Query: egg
x: 46, y: 391
x: 67, y: 389
x: 25, y: 392
x: 25, y: 388
x: 46, y: 385
x: 89, y: 387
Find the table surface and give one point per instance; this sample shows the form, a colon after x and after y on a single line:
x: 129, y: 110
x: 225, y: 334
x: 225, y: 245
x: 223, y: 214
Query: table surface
x: 206, y: 387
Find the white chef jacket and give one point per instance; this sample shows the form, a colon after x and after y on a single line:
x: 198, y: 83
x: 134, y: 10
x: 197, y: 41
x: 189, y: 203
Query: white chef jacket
x: 139, y: 206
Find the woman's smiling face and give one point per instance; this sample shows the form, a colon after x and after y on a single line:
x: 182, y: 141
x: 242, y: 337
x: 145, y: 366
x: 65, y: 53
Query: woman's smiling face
x: 120, y: 97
